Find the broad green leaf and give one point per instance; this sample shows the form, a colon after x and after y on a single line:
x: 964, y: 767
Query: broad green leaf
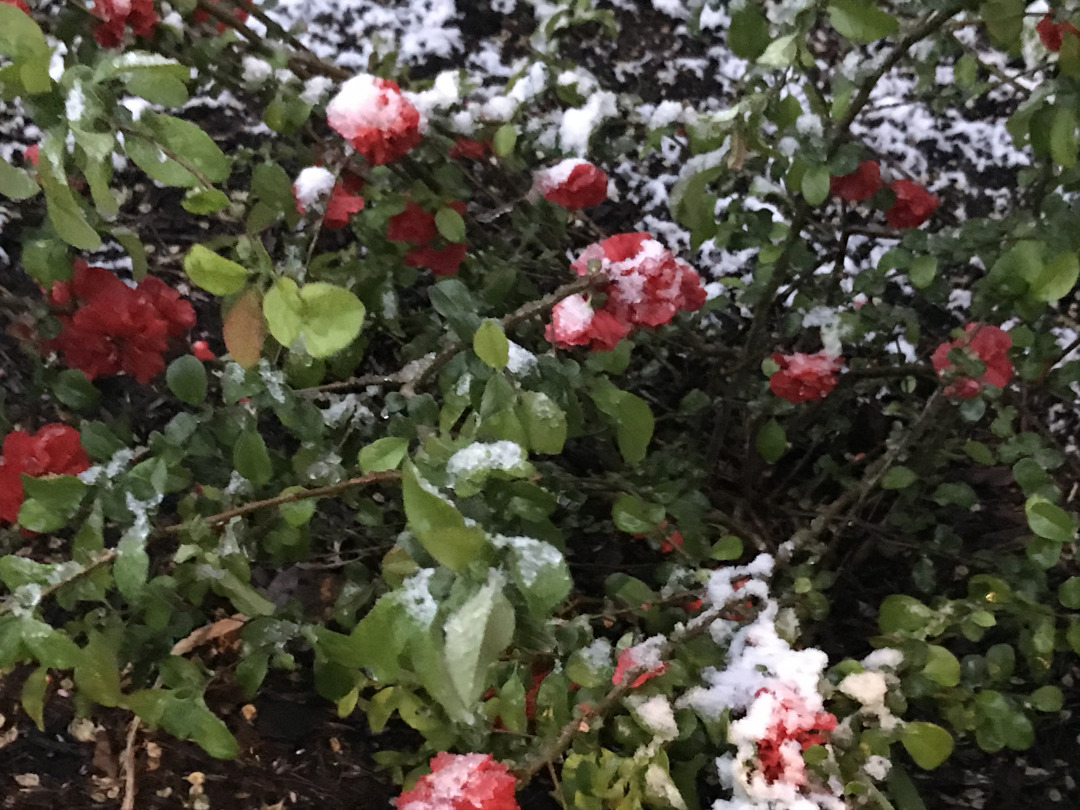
x: 284, y: 311
x: 861, y: 20
x: 297, y: 513
x: 1047, y: 699
x: 1063, y: 142
x: 922, y: 272
x: 332, y: 318
x: 186, y: 378
x: 157, y: 87
x: 251, y: 459
x: 815, y: 184
x: 899, y: 477
x: 490, y: 344
x: 204, y: 201
x: 748, y: 34
x: 438, y: 525
x: 51, y: 647
x: 386, y: 453
x: 502, y: 143
x: 171, y: 150
x: 928, y: 744
x: 244, y: 597
x: 97, y: 674
x: 1069, y: 593
x: 634, y: 428
x: 17, y: 184
x: 1057, y: 278
x: 450, y: 224
x: 475, y: 636
x: 633, y: 515
x: 780, y: 53
x: 900, y: 613
x: 771, y: 441
x: 131, y: 567
x: 51, y: 501
x: 544, y: 422
x: 33, y: 696
x: 1004, y: 20
x: 941, y: 666
x: 23, y: 41
x: 1049, y: 521
x: 64, y: 213
x: 214, y: 273
x: 728, y: 547
x: 73, y: 389
x: 46, y: 260
x: 135, y: 249
x: 209, y: 732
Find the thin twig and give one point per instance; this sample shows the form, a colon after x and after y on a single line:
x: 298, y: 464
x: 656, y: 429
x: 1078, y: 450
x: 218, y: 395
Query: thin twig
x: 127, y: 764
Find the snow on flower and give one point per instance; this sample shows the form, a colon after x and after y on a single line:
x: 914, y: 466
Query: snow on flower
x: 575, y: 323
x: 372, y: 114
x: 462, y: 782
x: 315, y: 182
x: 988, y: 344
x: 913, y: 206
x: 117, y: 328
x: 802, y: 377
x: 116, y: 14
x: 311, y: 184
x: 55, y: 449
x: 644, y: 656
x: 573, y: 183
x: 861, y: 184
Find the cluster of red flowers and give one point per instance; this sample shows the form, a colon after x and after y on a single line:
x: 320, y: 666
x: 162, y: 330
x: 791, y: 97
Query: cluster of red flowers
x: 116, y: 328
x: 314, y: 182
x: 646, y: 286
x: 987, y: 344
x: 1052, y: 33
x: 115, y: 15
x: 416, y: 226
x: 201, y: 15
x: 373, y: 115
x: 53, y: 450
x: 462, y: 782
x: 793, y: 729
x: 469, y: 149
x: 803, y: 377
x: 912, y: 204
x: 573, y: 184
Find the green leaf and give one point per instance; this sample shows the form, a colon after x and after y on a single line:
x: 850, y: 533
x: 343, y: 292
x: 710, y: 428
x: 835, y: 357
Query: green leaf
x: 50, y: 502
x: 861, y: 20
x: 131, y: 567
x: 171, y: 149
x: 284, y: 311
x: 634, y: 428
x: 33, y: 696
x: 438, y: 525
x: 450, y: 224
x: 1004, y: 20
x: 815, y: 184
x: 16, y: 184
x: 899, y: 477
x: 214, y: 273
x: 251, y: 459
x: 1063, y: 143
x: 544, y: 422
x: 204, y: 201
x: 97, y: 674
x: 297, y: 513
x: 928, y: 744
x: 1049, y: 521
x: 922, y: 272
x: 941, y: 666
x: 1069, y: 593
x: 902, y: 613
x: 73, y: 389
x: 186, y: 378
x: 244, y: 597
x: 332, y: 318
x: 23, y: 41
x: 64, y: 212
x: 386, y: 453
x: 633, y: 515
x: 728, y: 547
x: 1047, y: 699
x: 491, y: 345
x: 158, y: 88
x: 1056, y: 279
x: 475, y: 636
x: 135, y: 249
x: 780, y: 53
x: 502, y: 143
x: 748, y: 34
x: 771, y: 441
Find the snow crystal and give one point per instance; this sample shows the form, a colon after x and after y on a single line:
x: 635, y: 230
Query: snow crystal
x: 500, y: 455
x: 532, y: 556
x: 416, y: 599
x: 315, y: 89
x: 597, y: 655
x: 656, y: 713
x: 521, y: 361
x: 256, y: 71
x: 311, y: 184
x: 75, y: 105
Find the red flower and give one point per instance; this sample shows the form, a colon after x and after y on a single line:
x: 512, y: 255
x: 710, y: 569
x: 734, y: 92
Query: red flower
x: 671, y: 542
x: 19, y: 4
x: 462, y: 782
x: 31, y: 152
x: 630, y: 660
x: 469, y: 149
x: 988, y: 344
x: 201, y: 15
x: 913, y: 206
x: 53, y: 450
x: 117, y: 328
x: 443, y: 261
x: 373, y: 115
x: 861, y: 184
x: 414, y: 224
x: 201, y: 350
x: 1052, y: 33
x: 575, y: 323
x: 139, y: 15
x: 804, y: 377
x: 341, y: 206
x: 574, y: 183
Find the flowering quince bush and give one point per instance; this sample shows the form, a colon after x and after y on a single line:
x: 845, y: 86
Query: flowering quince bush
x: 426, y: 339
